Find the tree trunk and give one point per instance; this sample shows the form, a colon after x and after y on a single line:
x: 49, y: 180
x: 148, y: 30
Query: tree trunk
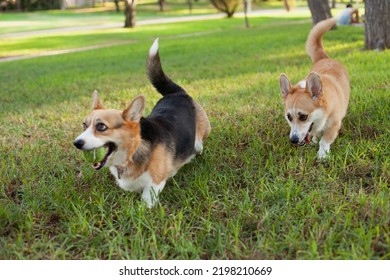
x: 246, y: 13
x: 63, y: 4
x: 19, y: 5
x: 117, y: 6
x: 286, y: 5
x: 130, y: 13
x: 377, y: 24
x: 319, y: 10
x: 190, y: 6
x: 161, y: 4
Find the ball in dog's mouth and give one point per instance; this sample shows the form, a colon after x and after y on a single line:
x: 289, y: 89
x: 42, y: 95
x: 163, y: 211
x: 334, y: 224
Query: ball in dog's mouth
x: 94, y: 155
x: 98, y: 157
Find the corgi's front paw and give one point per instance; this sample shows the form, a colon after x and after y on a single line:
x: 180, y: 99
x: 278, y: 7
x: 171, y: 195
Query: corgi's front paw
x: 322, y: 154
x: 150, y: 197
x: 324, y: 149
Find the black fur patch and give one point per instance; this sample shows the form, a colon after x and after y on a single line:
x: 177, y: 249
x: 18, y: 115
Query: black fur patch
x: 172, y: 123
x: 161, y: 82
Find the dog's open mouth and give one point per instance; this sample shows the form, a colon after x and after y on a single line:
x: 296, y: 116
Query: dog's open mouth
x: 110, y: 148
x: 306, y: 140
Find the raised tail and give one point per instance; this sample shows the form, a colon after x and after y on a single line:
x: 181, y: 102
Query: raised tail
x: 314, y: 47
x: 157, y: 77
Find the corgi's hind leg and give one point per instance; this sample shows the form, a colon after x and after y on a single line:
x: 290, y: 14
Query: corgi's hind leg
x: 203, y: 128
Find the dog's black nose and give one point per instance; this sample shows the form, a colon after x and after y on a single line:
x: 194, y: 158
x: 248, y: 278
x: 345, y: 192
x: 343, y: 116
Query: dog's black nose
x: 79, y: 143
x: 294, y: 139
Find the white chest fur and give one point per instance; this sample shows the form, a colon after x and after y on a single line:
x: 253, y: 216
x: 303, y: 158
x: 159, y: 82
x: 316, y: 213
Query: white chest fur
x: 133, y: 184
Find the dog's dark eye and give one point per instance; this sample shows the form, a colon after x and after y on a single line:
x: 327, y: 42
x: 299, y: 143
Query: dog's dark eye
x: 303, y: 118
x: 289, y: 117
x: 85, y: 126
x: 101, y: 127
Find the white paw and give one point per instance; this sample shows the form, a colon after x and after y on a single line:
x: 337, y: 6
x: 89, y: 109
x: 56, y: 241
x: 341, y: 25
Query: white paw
x: 322, y: 153
x: 149, y: 204
x: 150, y: 199
x: 324, y: 149
x: 198, y: 147
x: 150, y: 194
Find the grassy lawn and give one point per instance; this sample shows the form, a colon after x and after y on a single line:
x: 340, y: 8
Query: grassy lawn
x: 251, y: 195
x: 75, y: 17
x: 146, y: 9
x: 28, y: 21
x: 42, y: 43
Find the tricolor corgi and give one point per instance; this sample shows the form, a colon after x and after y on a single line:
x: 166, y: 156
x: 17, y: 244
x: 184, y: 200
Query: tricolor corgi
x: 143, y: 152
x: 318, y: 104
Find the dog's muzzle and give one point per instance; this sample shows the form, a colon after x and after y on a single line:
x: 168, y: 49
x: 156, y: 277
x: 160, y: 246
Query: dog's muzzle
x: 79, y: 144
x: 294, y: 139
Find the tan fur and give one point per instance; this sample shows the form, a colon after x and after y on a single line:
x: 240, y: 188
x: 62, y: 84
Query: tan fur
x: 203, y: 127
x: 314, y: 46
x: 324, y: 99
x: 134, y: 133
x: 113, y: 117
x: 161, y: 164
x: 96, y: 103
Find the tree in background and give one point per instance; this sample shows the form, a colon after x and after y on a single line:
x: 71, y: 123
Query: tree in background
x: 118, y: 9
x: 161, y: 5
x: 246, y: 4
x: 189, y: 5
x: 228, y: 7
x: 289, y: 4
x: 30, y: 5
x: 377, y: 24
x: 319, y: 9
x: 130, y: 12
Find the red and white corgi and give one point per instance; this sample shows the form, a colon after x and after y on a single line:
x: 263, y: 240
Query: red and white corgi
x: 317, y: 105
x: 143, y: 152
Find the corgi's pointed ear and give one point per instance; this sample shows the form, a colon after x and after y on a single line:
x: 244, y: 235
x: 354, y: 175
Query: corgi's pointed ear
x: 135, y: 110
x: 96, y: 102
x: 285, y: 85
x: 314, y: 85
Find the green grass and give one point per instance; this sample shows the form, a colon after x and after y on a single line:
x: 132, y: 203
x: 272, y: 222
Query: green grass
x: 11, y: 22
x: 251, y: 195
x: 29, y: 21
x: 49, y: 42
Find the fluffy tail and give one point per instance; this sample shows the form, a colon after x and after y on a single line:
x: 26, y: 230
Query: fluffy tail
x: 157, y: 77
x: 314, y: 47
